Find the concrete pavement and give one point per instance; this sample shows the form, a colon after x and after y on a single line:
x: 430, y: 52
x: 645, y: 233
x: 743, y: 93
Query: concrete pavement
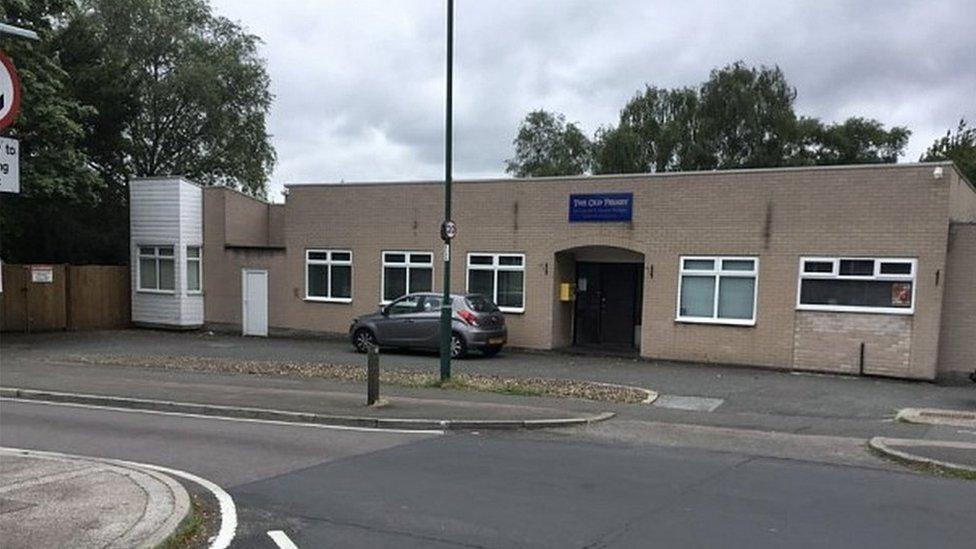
x: 62, y: 501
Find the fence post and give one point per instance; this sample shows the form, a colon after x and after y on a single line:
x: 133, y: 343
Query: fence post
x: 372, y: 375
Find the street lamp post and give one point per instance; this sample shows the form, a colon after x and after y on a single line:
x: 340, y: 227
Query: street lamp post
x: 447, y: 228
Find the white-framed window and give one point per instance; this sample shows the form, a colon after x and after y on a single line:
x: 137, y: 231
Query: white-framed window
x: 406, y: 273
x: 328, y: 275
x: 718, y: 290
x: 156, y: 269
x: 194, y: 270
x: 857, y: 284
x: 501, y: 277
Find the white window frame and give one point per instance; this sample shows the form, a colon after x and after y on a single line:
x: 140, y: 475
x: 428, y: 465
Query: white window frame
x: 718, y: 273
x: 877, y: 275
x: 199, y: 261
x: 329, y: 263
x: 155, y: 257
x: 495, y: 267
x: 408, y: 265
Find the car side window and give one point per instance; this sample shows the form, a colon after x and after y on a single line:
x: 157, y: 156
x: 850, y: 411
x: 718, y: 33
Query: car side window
x: 432, y: 304
x: 404, y: 306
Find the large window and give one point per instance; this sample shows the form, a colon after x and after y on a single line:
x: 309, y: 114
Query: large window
x: 194, y: 270
x: 718, y: 290
x: 406, y: 273
x: 157, y: 271
x: 328, y: 275
x: 500, y: 277
x: 875, y: 285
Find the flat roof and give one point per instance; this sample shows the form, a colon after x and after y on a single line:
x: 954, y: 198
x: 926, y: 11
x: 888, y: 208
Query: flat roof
x: 600, y: 177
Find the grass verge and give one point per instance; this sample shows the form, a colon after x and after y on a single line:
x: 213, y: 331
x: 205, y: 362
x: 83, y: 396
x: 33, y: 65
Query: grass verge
x: 519, y: 386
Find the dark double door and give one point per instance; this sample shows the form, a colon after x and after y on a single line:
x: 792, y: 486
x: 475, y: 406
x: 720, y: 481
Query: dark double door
x: 608, y: 304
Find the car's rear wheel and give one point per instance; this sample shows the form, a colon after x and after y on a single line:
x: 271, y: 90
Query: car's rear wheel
x: 459, y: 347
x: 363, y: 339
x: 491, y: 351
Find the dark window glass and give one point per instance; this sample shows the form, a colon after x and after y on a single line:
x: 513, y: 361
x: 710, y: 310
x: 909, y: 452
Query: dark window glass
x: 421, y: 279
x: 166, y: 250
x: 394, y: 282
x: 341, y: 281
x: 341, y: 256
x: 480, y: 260
x: 431, y: 304
x: 395, y: 258
x: 318, y: 280
x: 890, y: 268
x: 860, y: 293
x: 420, y: 258
x: 510, y: 289
x: 481, y: 304
x: 509, y: 260
x: 481, y: 282
x: 322, y: 256
x: 857, y: 267
x: 405, y: 306
x: 818, y: 267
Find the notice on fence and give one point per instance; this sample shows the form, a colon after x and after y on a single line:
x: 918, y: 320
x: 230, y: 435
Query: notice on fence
x: 42, y: 274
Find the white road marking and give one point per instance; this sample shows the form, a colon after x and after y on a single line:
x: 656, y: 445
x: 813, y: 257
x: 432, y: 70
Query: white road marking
x: 228, y: 511
x: 282, y: 539
x: 225, y: 418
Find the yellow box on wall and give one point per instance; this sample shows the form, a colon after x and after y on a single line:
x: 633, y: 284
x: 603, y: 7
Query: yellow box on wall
x: 565, y: 291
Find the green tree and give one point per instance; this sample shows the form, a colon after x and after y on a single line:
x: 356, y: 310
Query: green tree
x: 747, y: 117
x: 959, y: 147
x: 546, y: 146
x: 857, y: 141
x: 177, y: 90
x: 60, y: 214
x: 618, y: 150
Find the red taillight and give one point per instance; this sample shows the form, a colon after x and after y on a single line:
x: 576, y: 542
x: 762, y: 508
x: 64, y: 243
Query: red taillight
x: 468, y: 317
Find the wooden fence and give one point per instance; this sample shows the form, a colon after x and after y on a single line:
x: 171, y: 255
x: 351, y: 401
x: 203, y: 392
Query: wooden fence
x: 39, y: 298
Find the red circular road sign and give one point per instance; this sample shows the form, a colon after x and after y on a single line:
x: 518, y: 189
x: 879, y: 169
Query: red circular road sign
x: 9, y: 92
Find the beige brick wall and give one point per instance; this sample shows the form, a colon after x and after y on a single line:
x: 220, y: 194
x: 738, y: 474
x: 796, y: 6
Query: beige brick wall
x: 775, y: 215
x: 831, y: 342
x: 957, y: 352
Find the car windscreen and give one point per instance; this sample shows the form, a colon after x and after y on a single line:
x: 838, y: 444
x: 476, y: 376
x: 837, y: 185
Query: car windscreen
x: 480, y: 304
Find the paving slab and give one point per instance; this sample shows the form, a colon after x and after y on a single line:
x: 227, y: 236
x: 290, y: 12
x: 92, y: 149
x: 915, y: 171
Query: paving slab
x: 50, y: 501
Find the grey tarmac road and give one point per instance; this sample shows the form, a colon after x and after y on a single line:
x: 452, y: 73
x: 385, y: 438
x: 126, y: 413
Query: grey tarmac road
x: 329, y: 488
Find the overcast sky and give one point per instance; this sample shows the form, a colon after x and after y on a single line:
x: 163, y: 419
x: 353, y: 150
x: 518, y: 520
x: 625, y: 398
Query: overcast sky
x: 359, y: 85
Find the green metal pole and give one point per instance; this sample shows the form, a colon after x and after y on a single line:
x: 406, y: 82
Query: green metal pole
x: 446, y: 303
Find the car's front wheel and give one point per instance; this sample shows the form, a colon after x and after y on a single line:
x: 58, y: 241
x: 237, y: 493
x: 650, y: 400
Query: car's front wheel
x: 459, y: 347
x: 363, y: 339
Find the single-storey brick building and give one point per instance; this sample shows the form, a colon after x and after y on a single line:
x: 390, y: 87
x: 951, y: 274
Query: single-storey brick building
x: 855, y: 269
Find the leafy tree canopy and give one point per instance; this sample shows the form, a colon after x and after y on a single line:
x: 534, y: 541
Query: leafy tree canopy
x: 123, y: 88
x: 959, y: 147
x: 177, y: 89
x: 741, y: 117
x: 546, y: 145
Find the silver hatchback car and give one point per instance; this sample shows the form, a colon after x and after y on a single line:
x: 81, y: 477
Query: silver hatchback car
x: 413, y: 322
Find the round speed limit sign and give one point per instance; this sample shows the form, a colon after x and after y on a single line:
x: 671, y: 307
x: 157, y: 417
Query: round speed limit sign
x: 9, y: 92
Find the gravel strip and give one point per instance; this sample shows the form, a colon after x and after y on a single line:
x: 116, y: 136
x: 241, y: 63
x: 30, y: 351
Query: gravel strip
x: 528, y: 386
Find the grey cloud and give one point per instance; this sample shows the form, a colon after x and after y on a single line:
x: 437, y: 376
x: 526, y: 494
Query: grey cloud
x: 359, y: 85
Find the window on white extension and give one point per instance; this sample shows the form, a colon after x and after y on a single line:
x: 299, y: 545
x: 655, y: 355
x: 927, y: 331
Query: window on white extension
x: 407, y: 273
x: 328, y: 275
x: 718, y: 290
x: 157, y: 269
x: 857, y: 284
x: 499, y: 276
x: 194, y: 270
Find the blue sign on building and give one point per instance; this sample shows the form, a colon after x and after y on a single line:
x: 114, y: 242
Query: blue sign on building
x: 601, y: 208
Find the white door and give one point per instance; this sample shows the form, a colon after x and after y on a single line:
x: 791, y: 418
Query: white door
x: 254, y: 286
